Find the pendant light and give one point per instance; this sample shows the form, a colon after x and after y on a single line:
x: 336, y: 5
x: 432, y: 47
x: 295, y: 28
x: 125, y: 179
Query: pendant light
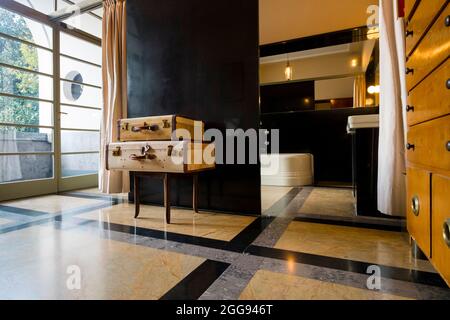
x: 288, y: 72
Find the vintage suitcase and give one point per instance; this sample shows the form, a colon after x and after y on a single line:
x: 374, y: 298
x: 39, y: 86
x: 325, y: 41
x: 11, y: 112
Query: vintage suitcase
x: 161, y: 156
x: 160, y: 128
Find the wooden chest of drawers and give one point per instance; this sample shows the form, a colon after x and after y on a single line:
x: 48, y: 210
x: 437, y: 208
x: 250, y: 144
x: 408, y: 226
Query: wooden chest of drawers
x: 428, y: 113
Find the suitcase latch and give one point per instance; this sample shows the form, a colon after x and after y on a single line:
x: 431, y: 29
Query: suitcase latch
x: 117, y: 152
x: 169, y: 151
x: 166, y: 124
x: 125, y: 126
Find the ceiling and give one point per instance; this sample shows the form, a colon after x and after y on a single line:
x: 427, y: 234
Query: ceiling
x: 282, y: 20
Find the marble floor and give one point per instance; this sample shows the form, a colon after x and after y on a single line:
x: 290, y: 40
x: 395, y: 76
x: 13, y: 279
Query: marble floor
x: 86, y: 245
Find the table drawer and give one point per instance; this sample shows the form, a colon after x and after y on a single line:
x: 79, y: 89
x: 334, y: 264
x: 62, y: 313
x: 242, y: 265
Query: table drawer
x: 422, y: 18
x: 429, y: 144
x: 440, y: 226
x: 431, y: 98
x: 431, y: 52
x: 418, y: 208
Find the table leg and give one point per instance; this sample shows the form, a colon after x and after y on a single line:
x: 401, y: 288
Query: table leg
x: 167, y: 196
x: 195, y: 193
x: 136, y: 196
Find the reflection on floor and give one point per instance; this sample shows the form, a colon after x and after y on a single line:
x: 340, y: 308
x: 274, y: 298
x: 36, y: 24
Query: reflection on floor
x: 285, y: 254
x: 331, y: 202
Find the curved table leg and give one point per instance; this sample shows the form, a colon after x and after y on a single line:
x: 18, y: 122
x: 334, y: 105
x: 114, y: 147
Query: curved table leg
x: 136, y: 196
x: 167, y: 196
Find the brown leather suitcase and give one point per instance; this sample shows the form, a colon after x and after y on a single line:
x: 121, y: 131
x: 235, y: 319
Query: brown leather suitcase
x: 161, y: 156
x: 160, y: 128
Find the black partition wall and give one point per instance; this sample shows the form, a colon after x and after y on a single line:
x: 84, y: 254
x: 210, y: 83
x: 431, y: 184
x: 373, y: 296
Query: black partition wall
x: 200, y: 60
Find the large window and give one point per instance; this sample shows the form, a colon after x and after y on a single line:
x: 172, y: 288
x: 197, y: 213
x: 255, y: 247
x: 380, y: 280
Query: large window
x: 26, y: 99
x: 81, y: 104
x: 44, y: 135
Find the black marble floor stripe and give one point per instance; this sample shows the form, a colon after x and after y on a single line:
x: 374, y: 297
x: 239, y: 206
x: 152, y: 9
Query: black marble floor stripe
x: 246, y: 237
x: 93, y: 196
x: 415, y: 276
x: 356, y: 224
x: 57, y: 216
x: 197, y: 282
x: 282, y: 204
x: 21, y: 211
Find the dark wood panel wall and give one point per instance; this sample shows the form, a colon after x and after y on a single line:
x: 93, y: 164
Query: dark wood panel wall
x: 199, y: 59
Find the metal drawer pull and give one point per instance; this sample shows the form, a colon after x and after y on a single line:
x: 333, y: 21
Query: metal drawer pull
x: 153, y: 127
x: 409, y: 108
x: 448, y: 146
x: 409, y: 33
x: 447, y: 21
x: 415, y: 205
x: 409, y: 70
x: 410, y: 146
x: 446, y: 232
x: 447, y: 84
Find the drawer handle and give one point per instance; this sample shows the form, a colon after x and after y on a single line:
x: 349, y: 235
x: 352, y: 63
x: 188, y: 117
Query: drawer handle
x: 153, y: 127
x: 409, y: 33
x: 447, y: 83
x: 447, y: 21
x: 410, y: 146
x: 448, y: 146
x: 446, y: 232
x: 409, y: 109
x: 409, y: 71
x: 415, y: 205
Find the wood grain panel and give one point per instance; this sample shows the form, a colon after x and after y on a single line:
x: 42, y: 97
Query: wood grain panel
x: 423, y: 17
x: 409, y: 6
x: 431, y: 98
x: 419, y: 225
x: 441, y: 215
x: 431, y: 52
x: 429, y: 144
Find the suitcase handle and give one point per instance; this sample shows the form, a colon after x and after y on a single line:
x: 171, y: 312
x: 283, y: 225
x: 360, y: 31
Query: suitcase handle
x: 153, y: 127
x: 143, y: 157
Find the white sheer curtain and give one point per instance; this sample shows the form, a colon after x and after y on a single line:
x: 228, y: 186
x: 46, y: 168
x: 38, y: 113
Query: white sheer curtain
x: 391, y: 159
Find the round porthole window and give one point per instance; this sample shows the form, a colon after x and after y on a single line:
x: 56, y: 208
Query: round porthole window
x: 73, y: 91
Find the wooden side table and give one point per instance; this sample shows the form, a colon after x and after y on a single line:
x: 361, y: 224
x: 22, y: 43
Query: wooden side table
x: 166, y: 177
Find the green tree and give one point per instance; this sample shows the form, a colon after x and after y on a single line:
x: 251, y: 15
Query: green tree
x: 17, y: 82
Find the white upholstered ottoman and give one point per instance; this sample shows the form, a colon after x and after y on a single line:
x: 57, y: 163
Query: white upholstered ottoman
x: 287, y: 170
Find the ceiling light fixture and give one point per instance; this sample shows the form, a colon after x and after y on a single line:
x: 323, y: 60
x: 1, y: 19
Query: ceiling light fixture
x: 288, y: 72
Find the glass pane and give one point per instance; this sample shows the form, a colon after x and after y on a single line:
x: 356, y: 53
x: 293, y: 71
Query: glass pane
x: 25, y: 167
x: 79, y: 164
x: 80, y: 118
x: 17, y: 26
x: 22, y: 83
x: 44, y: 6
x: 87, y: 23
x: 81, y: 72
x: 21, y: 55
x: 98, y: 12
x: 23, y: 139
x: 80, y: 49
x: 74, y: 93
x: 22, y: 111
x: 79, y: 141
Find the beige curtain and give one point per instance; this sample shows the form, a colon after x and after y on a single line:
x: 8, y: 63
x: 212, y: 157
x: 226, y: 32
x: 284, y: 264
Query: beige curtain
x: 359, y: 91
x: 393, y: 94
x: 114, y: 89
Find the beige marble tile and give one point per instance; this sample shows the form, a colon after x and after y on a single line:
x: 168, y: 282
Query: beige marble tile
x: 96, y: 191
x: 267, y: 285
x: 367, y: 245
x: 270, y: 195
x: 330, y: 201
x: 204, y: 224
x: 4, y: 221
x: 51, y: 204
x: 35, y: 264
